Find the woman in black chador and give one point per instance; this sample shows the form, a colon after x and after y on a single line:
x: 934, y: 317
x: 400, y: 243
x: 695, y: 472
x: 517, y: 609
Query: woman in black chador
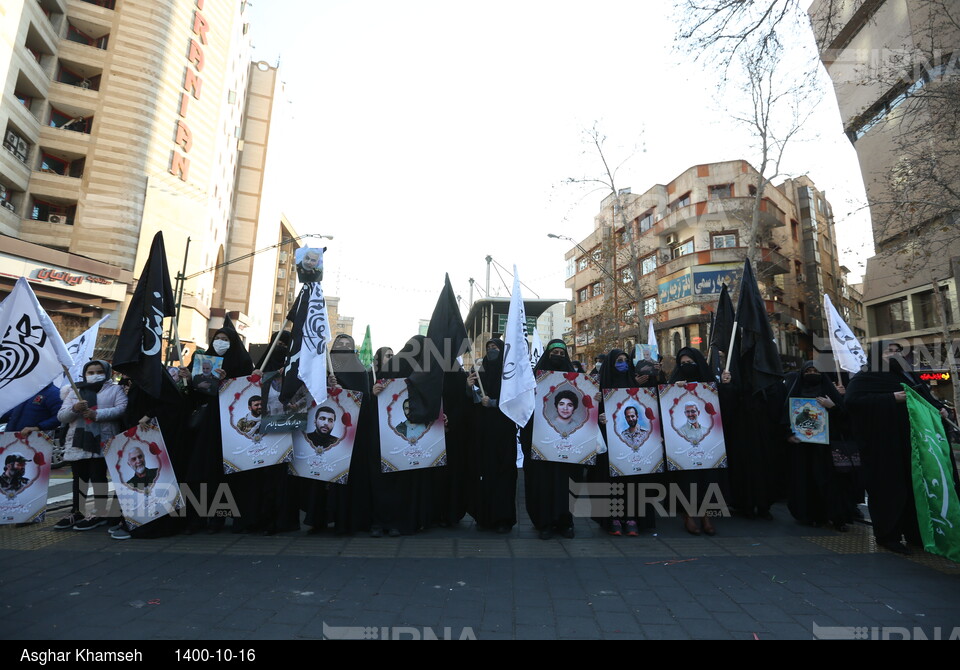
x: 822, y: 488
x: 693, y: 367
x: 547, y: 484
x: 618, y: 372
x: 494, y: 449
x: 876, y: 402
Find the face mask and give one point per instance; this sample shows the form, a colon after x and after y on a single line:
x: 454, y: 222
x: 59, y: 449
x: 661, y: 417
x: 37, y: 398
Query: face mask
x: 689, y: 372
x: 621, y: 366
x: 93, y: 379
x: 493, y: 354
x: 220, y: 347
x: 811, y: 379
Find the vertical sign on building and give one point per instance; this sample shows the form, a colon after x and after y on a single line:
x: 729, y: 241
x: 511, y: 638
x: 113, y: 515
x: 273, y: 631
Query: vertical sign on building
x: 192, y: 86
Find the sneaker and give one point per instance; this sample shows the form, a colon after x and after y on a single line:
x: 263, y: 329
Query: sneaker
x: 68, y: 521
x: 568, y: 533
x: 115, y: 527
x: 615, y: 529
x: 121, y: 534
x: 91, y: 522
x: 632, y: 529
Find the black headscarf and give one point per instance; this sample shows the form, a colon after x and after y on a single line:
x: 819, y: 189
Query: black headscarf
x: 611, y: 378
x: 886, y: 376
x: 379, y: 362
x: 347, y: 367
x: 701, y: 373
x: 800, y: 385
x: 551, y: 364
x: 491, y: 372
x: 236, y: 359
x: 279, y: 356
x: 409, y: 359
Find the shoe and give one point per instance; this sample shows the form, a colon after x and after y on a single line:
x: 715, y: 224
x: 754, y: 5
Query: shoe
x: 503, y: 529
x: 632, y: 529
x: 68, y: 521
x: 121, y: 534
x: 376, y: 531
x: 91, y: 522
x: 708, y: 528
x: 546, y: 534
x: 841, y: 527
x: 615, y: 529
x: 568, y: 533
x: 895, y: 547
x: 393, y: 532
x: 115, y: 527
x: 690, y: 525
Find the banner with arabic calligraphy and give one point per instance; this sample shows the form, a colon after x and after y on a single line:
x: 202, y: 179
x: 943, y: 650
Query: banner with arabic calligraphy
x: 245, y: 447
x: 25, y: 478
x: 142, y: 475
x: 323, y: 450
x: 565, y: 423
x: 405, y: 445
x: 692, y: 427
x: 634, y: 438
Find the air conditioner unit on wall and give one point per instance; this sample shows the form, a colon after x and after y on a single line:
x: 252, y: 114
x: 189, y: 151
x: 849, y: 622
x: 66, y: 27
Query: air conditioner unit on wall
x: 21, y: 146
x: 57, y: 218
x: 671, y: 239
x: 9, y: 205
x: 11, y: 139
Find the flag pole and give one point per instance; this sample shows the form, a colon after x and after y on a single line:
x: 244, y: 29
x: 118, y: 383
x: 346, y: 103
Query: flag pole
x: 176, y: 341
x: 373, y: 369
x: 482, y: 392
x: 73, y: 384
x: 273, y: 345
x: 733, y: 337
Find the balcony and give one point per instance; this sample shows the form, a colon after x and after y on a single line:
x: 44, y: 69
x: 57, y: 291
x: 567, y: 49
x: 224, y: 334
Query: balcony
x: 770, y: 262
x: 46, y: 233
x: 736, y: 210
x: 88, y: 34
x: 43, y: 28
x: 50, y: 185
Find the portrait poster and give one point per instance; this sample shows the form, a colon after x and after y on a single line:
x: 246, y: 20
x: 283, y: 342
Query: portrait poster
x: 202, y: 372
x: 280, y: 417
x: 142, y: 475
x: 323, y: 451
x: 244, y: 446
x: 634, y: 438
x: 645, y: 352
x: 405, y: 445
x: 692, y: 429
x: 25, y: 477
x: 809, y: 421
x: 309, y: 262
x: 565, y: 421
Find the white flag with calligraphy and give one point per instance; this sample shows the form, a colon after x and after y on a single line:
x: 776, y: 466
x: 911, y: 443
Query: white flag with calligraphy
x: 846, y: 347
x: 81, y: 349
x: 536, y: 347
x: 32, y: 353
x: 518, y: 389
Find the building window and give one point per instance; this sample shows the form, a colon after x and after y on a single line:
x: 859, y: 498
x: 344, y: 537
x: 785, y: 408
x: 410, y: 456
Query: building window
x: 648, y: 264
x: 682, y: 201
x: 626, y: 275
x: 53, y: 164
x: 752, y: 190
x: 682, y: 249
x: 627, y: 314
x: 596, y: 255
x: 723, y: 240
x: 892, y: 317
x: 720, y: 191
x: 649, y: 306
x: 598, y: 289
x: 646, y: 220
x: 582, y: 264
x: 583, y: 295
x: 571, y: 267
x: 925, y: 309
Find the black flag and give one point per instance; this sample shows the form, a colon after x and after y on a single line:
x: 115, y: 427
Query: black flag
x: 446, y: 339
x: 721, y: 329
x: 760, y: 364
x: 140, y: 344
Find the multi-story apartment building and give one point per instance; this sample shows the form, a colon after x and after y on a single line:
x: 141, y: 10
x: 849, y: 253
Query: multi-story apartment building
x: 895, y: 66
x: 666, y: 256
x: 121, y: 119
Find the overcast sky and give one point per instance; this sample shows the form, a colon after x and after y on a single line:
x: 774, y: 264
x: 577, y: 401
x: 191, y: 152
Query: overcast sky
x: 432, y: 134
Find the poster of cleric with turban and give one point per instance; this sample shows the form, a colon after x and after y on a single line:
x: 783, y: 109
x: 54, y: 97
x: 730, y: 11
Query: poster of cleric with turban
x: 25, y: 476
x: 323, y: 449
x: 245, y: 446
x: 634, y: 440
x: 565, y: 419
x: 405, y: 445
x: 692, y: 430
x: 809, y: 421
x: 143, y: 478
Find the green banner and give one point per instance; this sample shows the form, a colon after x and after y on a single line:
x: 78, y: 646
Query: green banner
x: 366, y: 350
x: 938, y: 510
x: 502, y: 324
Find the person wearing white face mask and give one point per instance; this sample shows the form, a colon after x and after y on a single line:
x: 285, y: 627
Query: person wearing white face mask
x: 94, y: 418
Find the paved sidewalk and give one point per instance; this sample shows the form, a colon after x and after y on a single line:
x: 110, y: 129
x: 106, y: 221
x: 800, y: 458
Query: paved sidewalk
x: 755, y: 579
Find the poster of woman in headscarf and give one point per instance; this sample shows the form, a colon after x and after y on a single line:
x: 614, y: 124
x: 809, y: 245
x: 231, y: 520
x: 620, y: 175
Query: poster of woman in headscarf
x: 245, y: 446
x: 809, y: 421
x: 323, y: 450
x: 565, y: 419
x: 634, y: 440
x: 25, y: 476
x: 142, y: 475
x: 405, y: 445
x: 692, y: 429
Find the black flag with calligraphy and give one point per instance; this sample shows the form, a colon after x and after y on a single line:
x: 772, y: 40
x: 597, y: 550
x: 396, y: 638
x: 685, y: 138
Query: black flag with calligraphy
x: 139, y: 353
x: 446, y: 340
x: 759, y: 359
x: 721, y: 330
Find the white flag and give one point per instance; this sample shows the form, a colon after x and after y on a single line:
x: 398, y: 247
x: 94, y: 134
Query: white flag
x: 846, y: 347
x: 313, y: 329
x: 536, y: 347
x: 81, y: 349
x: 32, y: 353
x: 517, y: 391
x: 651, y: 337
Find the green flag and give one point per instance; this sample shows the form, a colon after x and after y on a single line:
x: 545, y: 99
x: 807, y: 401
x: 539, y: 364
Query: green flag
x: 938, y: 510
x: 366, y: 350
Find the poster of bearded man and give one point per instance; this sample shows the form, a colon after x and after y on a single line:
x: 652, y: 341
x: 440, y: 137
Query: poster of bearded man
x: 565, y: 421
x: 692, y: 429
x: 634, y: 439
x: 143, y: 478
x: 405, y: 445
x: 323, y: 449
x: 25, y: 477
x: 245, y: 446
